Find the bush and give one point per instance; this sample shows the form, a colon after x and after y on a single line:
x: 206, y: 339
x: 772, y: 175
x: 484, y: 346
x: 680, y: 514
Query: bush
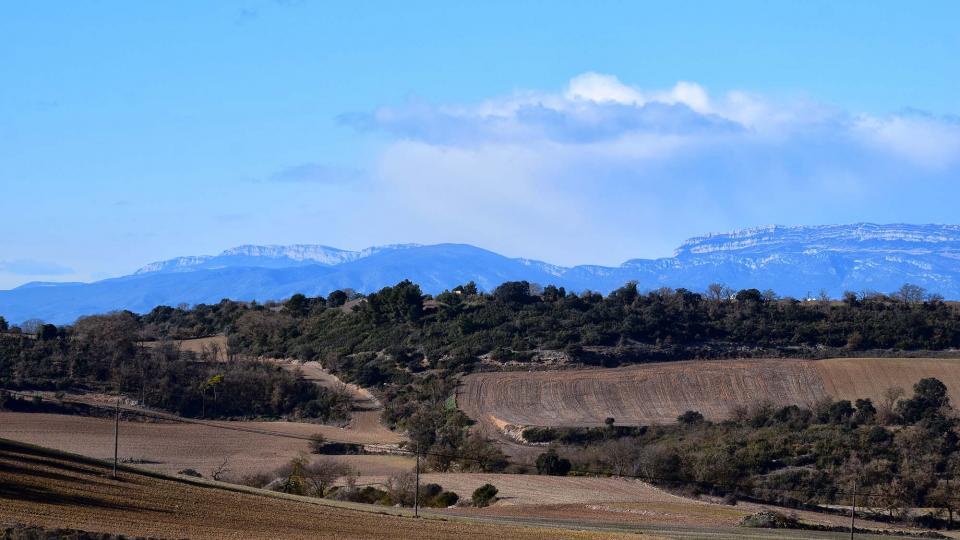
x: 367, y: 495
x: 256, y: 480
x: 690, y: 417
x: 769, y: 519
x: 445, y: 499
x: 484, y: 495
x: 429, y: 491
x: 317, y: 442
x: 551, y: 463
x: 540, y: 434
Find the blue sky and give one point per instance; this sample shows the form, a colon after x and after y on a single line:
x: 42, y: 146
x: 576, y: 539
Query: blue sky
x: 572, y: 132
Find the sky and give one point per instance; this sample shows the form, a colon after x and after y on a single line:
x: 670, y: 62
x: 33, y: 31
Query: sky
x: 571, y: 132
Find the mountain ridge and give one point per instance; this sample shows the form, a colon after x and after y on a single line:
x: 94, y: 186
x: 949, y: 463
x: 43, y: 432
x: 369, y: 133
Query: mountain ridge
x: 796, y: 261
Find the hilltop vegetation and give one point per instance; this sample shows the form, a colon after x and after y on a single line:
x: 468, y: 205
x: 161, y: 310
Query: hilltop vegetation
x: 412, y: 349
x: 105, y: 353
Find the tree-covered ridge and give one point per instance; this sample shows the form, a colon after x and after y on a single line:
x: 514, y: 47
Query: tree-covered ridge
x: 517, y: 321
x: 107, y: 352
x: 411, y: 347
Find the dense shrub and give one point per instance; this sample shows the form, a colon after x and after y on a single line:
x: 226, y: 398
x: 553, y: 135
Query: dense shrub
x: 484, y: 495
x: 551, y: 463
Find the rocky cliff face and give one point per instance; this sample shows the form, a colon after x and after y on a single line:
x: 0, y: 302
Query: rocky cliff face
x: 797, y: 260
x: 272, y: 256
x: 861, y: 237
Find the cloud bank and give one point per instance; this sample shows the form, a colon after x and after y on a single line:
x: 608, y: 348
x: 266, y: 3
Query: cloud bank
x: 603, y: 170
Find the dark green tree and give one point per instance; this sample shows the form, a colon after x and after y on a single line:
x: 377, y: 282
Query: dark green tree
x: 689, y: 418
x: 550, y: 463
x: 337, y: 298
x: 929, y: 400
x: 484, y: 495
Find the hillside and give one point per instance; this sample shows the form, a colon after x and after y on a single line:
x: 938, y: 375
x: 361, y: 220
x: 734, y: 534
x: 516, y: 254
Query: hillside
x: 46, y: 488
x: 657, y: 393
x: 794, y: 261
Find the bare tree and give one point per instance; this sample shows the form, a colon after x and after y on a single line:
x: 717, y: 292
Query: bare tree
x: 323, y: 473
x: 621, y: 455
x: 718, y: 292
x: 400, y: 487
x: 888, y: 401
x: 221, y: 470
x: 910, y: 294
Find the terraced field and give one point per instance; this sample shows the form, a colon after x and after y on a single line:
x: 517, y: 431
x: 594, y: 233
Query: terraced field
x: 656, y: 393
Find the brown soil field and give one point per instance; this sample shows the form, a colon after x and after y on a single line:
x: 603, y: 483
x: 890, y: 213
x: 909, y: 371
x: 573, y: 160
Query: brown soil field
x: 202, y: 445
x: 525, y: 489
x: 44, y: 488
x: 657, y: 393
x: 171, y: 447
x: 852, y: 378
x: 605, y: 500
x: 199, y: 345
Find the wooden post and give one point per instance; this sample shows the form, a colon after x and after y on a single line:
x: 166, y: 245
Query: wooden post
x: 416, y: 493
x: 853, y: 510
x: 116, y: 438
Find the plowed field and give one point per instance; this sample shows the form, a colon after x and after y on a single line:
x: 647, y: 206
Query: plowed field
x: 171, y: 447
x: 657, y: 393
x: 43, y: 488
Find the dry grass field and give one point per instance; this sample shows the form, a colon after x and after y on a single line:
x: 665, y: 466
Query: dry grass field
x: 170, y: 447
x: 43, y: 488
x: 657, y: 393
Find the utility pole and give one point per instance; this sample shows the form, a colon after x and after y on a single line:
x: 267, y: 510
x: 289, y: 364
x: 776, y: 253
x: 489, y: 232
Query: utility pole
x: 949, y: 504
x: 853, y: 510
x: 416, y: 493
x: 116, y: 438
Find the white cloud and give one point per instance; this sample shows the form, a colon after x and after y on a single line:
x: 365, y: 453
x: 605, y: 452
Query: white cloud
x: 605, y: 171
x: 600, y: 88
x: 924, y: 140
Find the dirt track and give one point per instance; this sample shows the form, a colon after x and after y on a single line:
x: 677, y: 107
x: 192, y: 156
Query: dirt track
x: 657, y: 393
x: 365, y: 417
x: 37, y: 488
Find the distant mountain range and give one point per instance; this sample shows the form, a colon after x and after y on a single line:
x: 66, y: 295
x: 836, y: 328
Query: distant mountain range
x: 794, y: 261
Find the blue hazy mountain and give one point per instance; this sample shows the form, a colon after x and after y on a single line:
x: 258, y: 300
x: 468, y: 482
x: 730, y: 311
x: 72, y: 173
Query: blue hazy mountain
x: 793, y: 261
